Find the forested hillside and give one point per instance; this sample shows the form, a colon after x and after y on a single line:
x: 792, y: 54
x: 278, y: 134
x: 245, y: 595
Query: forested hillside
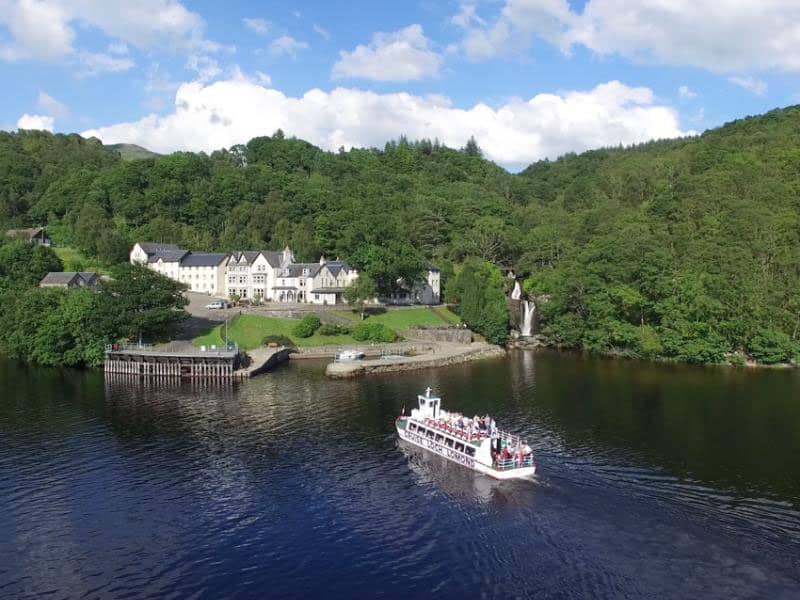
x: 685, y: 249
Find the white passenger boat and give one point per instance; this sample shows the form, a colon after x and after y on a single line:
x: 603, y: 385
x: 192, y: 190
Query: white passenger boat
x: 462, y: 440
x: 349, y: 355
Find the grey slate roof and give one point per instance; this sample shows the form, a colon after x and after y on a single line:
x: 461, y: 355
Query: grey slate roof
x: 167, y: 255
x: 296, y: 270
x: 25, y: 234
x: 249, y: 256
x: 65, y: 278
x: 202, y: 259
x: 273, y: 257
x: 334, y: 266
x: 59, y: 278
x: 153, y: 247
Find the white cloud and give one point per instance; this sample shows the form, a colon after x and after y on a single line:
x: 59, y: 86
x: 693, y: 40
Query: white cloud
x: 723, y: 35
x: 206, y: 67
x: 258, y: 25
x: 42, y: 122
x: 263, y: 79
x: 118, y: 48
x: 44, y: 29
x: 50, y: 105
x: 286, y: 44
x: 99, y: 62
x: 208, y: 117
x: 751, y: 84
x: 323, y: 33
x: 686, y: 93
x: 403, y: 55
x: 39, y: 30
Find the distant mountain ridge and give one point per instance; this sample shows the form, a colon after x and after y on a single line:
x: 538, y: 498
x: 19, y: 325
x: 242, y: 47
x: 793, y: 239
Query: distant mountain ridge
x: 132, y: 151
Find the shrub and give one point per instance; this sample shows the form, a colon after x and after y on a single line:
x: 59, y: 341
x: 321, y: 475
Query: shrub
x: 329, y: 329
x: 306, y: 326
x: 373, y: 332
x: 771, y: 347
x: 478, y: 290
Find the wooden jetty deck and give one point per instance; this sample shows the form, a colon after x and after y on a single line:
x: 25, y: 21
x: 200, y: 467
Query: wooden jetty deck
x: 145, y: 361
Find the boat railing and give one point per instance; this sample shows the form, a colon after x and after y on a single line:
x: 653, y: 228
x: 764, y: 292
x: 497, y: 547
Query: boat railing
x: 510, y: 438
x: 129, y: 347
x: 506, y: 464
x: 454, y: 430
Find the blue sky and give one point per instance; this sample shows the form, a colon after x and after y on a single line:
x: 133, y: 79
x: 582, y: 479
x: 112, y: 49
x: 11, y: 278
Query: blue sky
x: 528, y: 78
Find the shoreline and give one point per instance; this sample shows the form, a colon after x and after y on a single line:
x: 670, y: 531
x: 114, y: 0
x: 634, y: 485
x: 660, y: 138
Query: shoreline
x: 444, y: 354
x: 542, y: 345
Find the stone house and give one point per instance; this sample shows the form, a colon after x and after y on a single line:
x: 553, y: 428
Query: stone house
x: 200, y: 271
x: 257, y: 275
x: 203, y: 272
x: 70, y: 279
x: 34, y: 235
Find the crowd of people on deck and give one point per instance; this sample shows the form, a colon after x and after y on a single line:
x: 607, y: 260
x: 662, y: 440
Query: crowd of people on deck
x: 519, y: 455
x: 509, y: 453
x: 476, y: 427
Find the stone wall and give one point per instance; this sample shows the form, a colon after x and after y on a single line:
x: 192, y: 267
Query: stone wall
x: 453, y: 335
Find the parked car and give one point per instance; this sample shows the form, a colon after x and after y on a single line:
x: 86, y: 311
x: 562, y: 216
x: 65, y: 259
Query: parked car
x: 216, y: 304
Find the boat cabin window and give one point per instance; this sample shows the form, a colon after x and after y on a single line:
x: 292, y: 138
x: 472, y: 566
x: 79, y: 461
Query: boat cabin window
x: 470, y: 450
x: 422, y: 430
x: 449, y: 442
x: 460, y: 446
x: 429, y: 433
x: 439, y: 438
x: 412, y: 426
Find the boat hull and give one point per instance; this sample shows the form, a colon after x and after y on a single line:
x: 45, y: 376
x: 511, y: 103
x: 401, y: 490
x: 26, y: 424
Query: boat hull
x: 461, y: 459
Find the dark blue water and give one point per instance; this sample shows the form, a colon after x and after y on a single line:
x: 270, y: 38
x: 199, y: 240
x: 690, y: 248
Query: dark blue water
x: 654, y: 482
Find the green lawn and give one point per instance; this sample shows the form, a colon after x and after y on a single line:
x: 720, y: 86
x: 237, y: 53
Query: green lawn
x: 250, y: 330
x: 74, y: 260
x: 405, y: 318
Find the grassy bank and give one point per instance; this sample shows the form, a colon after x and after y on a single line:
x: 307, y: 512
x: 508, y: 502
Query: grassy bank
x: 74, y: 260
x: 249, y: 332
x: 408, y: 317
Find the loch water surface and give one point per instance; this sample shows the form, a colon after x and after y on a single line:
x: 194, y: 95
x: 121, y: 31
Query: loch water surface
x: 654, y: 481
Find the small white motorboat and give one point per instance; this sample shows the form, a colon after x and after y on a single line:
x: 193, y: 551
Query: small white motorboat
x: 478, y: 446
x: 343, y: 355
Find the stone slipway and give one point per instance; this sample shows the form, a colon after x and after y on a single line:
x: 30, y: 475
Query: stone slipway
x: 443, y: 354
x: 263, y: 360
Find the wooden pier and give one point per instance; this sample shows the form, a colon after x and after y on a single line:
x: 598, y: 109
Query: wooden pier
x: 145, y: 361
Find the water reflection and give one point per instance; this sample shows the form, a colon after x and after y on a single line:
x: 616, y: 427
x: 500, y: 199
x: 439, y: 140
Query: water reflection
x: 460, y: 482
x: 654, y: 481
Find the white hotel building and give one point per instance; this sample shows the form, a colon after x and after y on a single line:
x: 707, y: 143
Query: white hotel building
x: 264, y: 275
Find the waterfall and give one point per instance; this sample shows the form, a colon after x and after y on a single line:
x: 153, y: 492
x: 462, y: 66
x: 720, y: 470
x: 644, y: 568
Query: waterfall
x: 516, y: 294
x: 528, y: 308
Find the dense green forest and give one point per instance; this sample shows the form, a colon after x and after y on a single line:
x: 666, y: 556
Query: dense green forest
x: 60, y: 327
x: 683, y: 249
